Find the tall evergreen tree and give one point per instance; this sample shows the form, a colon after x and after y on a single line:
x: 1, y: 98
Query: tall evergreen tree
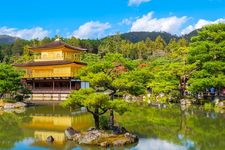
x: 208, y: 49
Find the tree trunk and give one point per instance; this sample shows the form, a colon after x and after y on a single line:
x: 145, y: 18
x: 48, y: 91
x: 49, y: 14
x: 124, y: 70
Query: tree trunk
x: 111, y: 119
x: 96, y: 118
x: 111, y: 114
x: 1, y: 95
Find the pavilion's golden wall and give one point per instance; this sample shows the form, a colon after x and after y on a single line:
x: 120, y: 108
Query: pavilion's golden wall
x: 69, y: 70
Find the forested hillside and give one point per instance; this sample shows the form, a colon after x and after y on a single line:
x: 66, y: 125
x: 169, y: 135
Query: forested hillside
x: 141, y: 36
x: 135, y: 45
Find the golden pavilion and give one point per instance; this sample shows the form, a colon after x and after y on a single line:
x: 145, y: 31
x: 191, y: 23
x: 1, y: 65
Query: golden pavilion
x: 52, y: 73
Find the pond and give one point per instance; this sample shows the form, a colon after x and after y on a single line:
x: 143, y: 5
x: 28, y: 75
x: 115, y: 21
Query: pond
x: 167, y: 128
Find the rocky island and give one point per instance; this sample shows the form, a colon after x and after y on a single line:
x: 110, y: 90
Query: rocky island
x: 100, y: 137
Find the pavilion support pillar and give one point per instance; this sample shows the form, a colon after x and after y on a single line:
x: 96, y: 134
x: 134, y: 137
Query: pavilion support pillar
x: 33, y: 86
x: 53, y: 85
x: 70, y: 85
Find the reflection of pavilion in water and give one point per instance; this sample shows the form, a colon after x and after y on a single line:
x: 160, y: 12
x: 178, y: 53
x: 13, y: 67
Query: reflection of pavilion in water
x: 55, y: 125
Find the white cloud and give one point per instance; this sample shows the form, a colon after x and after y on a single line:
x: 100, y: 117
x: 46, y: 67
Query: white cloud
x: 27, y: 34
x: 171, y: 24
x: 91, y: 30
x: 201, y: 23
x: 57, y: 31
x: 136, y: 2
x: 157, y: 144
x: 126, y: 21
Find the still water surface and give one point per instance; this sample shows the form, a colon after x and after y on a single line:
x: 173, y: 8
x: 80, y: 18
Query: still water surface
x: 170, y: 128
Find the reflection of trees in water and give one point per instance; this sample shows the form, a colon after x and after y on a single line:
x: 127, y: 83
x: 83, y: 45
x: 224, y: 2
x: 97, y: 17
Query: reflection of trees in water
x: 152, y: 122
x: 204, y: 129
x: 208, y: 133
x: 10, y: 132
x: 189, y: 127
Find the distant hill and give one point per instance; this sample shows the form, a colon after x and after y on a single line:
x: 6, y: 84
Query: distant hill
x: 190, y: 35
x: 131, y: 36
x: 139, y: 36
x: 5, y: 39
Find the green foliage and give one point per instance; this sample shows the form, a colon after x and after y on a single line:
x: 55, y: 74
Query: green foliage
x: 167, y: 72
x: 10, y: 130
x: 10, y: 79
x: 97, y: 103
x: 208, y: 106
x: 209, y: 51
x: 172, y: 46
x: 117, y: 74
x: 160, y: 43
x: 139, y: 50
x: 104, y: 122
x: 77, y: 97
x: 119, y: 105
x: 135, y: 37
x: 90, y: 58
x: 9, y: 100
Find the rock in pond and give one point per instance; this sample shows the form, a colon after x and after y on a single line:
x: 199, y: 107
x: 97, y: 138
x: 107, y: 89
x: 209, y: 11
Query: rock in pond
x: 8, y: 106
x: 50, y: 139
x: 70, y: 133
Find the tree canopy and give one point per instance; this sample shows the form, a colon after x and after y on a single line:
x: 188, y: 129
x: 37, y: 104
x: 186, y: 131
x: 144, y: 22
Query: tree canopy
x: 10, y: 79
x: 96, y: 103
x: 208, y: 50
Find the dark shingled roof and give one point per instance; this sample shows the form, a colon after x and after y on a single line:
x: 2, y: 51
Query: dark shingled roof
x: 48, y: 63
x: 55, y: 44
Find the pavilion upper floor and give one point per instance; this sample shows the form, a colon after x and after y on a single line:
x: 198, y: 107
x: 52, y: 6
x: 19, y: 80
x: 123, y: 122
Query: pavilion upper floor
x: 57, y: 50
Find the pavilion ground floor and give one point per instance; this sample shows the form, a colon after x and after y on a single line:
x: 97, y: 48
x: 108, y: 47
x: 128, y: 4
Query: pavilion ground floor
x: 52, y: 89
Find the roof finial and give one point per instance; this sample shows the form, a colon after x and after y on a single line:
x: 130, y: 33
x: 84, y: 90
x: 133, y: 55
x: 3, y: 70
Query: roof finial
x: 58, y: 38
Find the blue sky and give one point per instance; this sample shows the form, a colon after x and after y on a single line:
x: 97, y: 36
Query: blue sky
x: 98, y: 18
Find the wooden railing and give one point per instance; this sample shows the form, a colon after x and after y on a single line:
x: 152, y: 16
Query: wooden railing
x: 48, y: 91
x: 39, y: 58
x: 48, y: 75
x: 73, y: 57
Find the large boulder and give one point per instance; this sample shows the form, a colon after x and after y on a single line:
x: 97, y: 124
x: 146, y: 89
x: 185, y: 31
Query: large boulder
x: 132, y: 137
x: 90, y: 137
x: 119, y: 130
x: 70, y: 133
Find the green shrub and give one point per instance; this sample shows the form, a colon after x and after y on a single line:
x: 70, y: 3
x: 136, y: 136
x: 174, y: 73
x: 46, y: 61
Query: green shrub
x: 8, y: 100
x: 104, y: 122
